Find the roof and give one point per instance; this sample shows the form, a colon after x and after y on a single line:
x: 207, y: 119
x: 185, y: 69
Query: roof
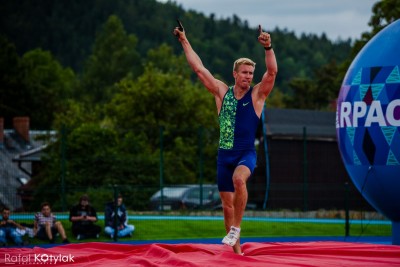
x: 15, y: 162
x: 292, y: 122
x: 34, y: 154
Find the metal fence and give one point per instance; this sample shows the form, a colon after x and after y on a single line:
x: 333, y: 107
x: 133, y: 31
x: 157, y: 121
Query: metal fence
x: 270, y: 223
x: 306, y: 181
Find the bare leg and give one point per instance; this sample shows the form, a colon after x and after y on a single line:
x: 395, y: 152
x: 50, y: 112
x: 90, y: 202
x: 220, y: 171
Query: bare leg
x: 227, y: 204
x: 61, y: 230
x: 240, y: 176
x: 48, y: 231
x: 234, y: 203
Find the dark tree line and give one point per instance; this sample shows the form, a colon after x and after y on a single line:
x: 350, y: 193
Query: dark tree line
x: 68, y: 29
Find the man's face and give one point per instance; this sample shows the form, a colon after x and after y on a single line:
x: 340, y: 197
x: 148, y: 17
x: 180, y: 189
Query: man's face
x: 84, y: 202
x: 244, y: 76
x: 5, y: 214
x: 46, y: 211
x: 119, y: 201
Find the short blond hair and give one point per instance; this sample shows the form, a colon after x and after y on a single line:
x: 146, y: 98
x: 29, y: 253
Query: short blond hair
x: 243, y: 61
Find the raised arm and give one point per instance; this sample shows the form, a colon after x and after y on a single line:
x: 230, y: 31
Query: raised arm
x: 264, y: 88
x: 213, y: 85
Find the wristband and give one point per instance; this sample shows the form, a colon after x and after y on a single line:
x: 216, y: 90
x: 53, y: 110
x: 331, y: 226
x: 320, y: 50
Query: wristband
x: 268, y: 48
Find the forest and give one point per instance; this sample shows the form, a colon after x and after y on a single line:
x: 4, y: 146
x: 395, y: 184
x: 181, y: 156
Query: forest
x: 108, y: 75
x: 71, y: 32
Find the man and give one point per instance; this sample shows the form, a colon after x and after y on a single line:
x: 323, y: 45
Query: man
x: 45, y: 225
x: 83, y: 216
x: 117, y: 215
x: 8, y: 229
x: 239, y: 108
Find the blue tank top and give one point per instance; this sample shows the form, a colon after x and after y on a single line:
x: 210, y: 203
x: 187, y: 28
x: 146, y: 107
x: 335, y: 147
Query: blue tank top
x: 238, y: 122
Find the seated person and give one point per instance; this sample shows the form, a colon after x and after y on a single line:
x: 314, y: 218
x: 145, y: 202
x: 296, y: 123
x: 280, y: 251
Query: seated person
x: 83, y: 216
x: 123, y: 228
x: 46, y: 227
x: 9, y: 229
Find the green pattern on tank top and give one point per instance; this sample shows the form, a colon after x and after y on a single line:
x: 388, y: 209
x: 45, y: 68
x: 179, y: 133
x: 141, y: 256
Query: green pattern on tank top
x: 227, y: 120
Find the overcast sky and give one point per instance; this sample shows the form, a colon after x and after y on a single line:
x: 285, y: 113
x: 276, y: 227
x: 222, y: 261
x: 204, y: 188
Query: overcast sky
x: 337, y: 18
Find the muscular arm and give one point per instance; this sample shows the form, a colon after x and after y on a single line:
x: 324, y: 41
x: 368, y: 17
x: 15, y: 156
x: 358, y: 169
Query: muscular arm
x: 264, y: 88
x: 214, y: 86
x: 268, y: 79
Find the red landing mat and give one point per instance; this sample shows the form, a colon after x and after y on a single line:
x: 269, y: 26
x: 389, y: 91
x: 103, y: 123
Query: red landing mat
x: 256, y: 254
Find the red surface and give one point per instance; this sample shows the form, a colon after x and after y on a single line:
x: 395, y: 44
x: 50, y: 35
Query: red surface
x: 256, y: 254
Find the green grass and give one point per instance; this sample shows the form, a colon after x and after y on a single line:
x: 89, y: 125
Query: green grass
x: 179, y: 229
x: 199, y: 229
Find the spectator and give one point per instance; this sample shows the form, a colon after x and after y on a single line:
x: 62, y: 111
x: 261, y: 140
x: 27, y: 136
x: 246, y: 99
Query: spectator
x: 124, y: 229
x: 83, y: 216
x: 8, y: 229
x: 46, y: 227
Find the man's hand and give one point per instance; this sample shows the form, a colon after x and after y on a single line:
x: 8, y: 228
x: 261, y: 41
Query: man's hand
x: 179, y: 31
x: 264, y: 38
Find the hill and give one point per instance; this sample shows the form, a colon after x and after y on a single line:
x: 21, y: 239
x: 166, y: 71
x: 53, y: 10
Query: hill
x: 68, y: 28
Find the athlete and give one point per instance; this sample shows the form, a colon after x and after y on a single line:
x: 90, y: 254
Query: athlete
x: 239, y: 108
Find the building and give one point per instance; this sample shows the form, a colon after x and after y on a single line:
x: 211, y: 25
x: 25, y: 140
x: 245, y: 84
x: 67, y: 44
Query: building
x: 20, y: 158
x: 304, y: 169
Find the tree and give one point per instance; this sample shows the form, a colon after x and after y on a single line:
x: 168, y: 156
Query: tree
x: 171, y: 101
x: 384, y: 13
x: 164, y: 60
x: 35, y: 85
x: 276, y: 99
x: 113, y: 58
x: 11, y: 87
x: 67, y: 28
x: 121, y: 145
x: 47, y: 87
x: 303, y: 94
x: 319, y: 93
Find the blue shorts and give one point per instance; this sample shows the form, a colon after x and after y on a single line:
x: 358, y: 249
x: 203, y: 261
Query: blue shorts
x: 227, y: 162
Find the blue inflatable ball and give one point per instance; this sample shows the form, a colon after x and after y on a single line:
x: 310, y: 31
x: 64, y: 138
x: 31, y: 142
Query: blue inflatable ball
x: 368, y: 121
